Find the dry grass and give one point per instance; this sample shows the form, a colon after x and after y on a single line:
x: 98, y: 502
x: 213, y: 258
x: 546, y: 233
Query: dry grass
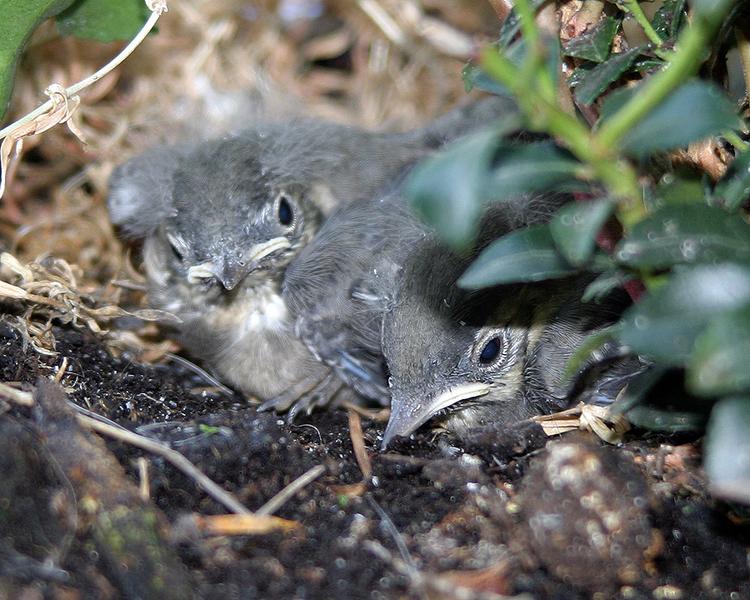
x: 221, y: 64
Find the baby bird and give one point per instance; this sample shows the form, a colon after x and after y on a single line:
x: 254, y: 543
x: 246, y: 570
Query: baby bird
x: 221, y: 222
x: 464, y: 359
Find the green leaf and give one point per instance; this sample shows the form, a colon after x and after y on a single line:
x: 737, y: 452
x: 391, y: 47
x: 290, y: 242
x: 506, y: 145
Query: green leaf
x: 447, y: 191
x: 666, y: 21
x: 594, y: 45
x: 512, y: 24
x: 691, y: 233
x: 733, y: 189
x: 575, y: 226
x: 693, y: 112
x: 665, y: 323
x: 474, y: 76
x: 19, y: 19
x: 604, y: 284
x: 103, y: 20
x: 524, y: 255
x: 656, y: 419
x: 713, y: 10
x: 721, y: 362
x: 679, y: 190
x: 532, y: 167
x: 598, y: 79
x: 727, y: 449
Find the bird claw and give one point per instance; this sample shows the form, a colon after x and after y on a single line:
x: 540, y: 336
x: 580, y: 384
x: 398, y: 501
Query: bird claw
x: 305, y: 396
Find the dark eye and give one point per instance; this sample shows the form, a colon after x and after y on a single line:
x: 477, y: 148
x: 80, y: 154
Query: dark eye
x: 491, y: 351
x: 286, y: 214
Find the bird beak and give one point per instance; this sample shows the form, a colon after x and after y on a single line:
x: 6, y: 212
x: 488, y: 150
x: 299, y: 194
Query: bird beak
x: 407, y: 415
x: 234, y: 272
x: 260, y: 251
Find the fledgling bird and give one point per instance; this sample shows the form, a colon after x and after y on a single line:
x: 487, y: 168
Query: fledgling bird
x: 467, y: 359
x: 221, y: 221
x: 341, y: 286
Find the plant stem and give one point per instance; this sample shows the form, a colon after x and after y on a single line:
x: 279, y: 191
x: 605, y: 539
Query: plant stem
x: 544, y: 115
x: 685, y: 62
x: 635, y: 9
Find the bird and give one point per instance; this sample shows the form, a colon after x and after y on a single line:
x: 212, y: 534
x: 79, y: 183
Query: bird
x: 221, y: 221
x: 343, y: 285
x: 466, y: 359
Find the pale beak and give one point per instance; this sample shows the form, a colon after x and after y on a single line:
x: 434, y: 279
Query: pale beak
x: 232, y: 272
x: 263, y: 249
x: 407, y: 415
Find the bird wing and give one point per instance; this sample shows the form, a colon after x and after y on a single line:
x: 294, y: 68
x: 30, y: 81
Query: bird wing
x: 339, y: 286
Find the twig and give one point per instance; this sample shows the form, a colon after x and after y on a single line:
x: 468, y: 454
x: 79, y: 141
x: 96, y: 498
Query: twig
x: 285, y: 494
x: 200, y: 372
x: 56, y: 92
x: 358, y: 443
x: 635, y: 9
x: 384, y: 21
x: 17, y: 396
x: 743, y: 47
x: 172, y: 456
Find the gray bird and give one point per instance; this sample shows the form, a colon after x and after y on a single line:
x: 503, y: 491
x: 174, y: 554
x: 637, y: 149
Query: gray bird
x: 465, y: 359
x: 341, y: 287
x: 221, y: 221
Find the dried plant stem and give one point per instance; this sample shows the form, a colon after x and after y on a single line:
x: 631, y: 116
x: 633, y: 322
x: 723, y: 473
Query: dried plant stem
x: 157, y: 8
x: 172, y: 456
x: 286, y: 493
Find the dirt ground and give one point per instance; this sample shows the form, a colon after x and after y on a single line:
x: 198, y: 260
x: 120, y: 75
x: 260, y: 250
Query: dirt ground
x: 83, y: 515
x: 564, y: 518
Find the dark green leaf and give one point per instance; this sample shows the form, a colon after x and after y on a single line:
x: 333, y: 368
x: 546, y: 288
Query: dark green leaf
x: 448, y: 189
x: 713, y: 10
x: 667, y: 19
x: 721, y: 361
x: 691, y: 233
x: 665, y: 323
x: 512, y: 24
x: 678, y: 190
x: 727, y: 449
x: 615, y: 101
x: 103, y: 20
x: 655, y: 419
x: 533, y: 167
x: 733, y: 189
x: 604, y: 284
x: 575, y: 227
x: 474, y: 76
x: 693, y: 112
x: 523, y: 255
x: 19, y: 19
x: 603, y: 75
x: 594, y: 45
x: 646, y: 65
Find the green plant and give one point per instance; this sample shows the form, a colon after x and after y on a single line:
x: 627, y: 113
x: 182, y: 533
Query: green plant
x: 683, y: 236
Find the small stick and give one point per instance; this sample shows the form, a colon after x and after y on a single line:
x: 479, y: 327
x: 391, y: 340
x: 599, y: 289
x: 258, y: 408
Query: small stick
x: 358, y: 443
x: 172, y: 456
x: 144, y: 488
x: 286, y: 493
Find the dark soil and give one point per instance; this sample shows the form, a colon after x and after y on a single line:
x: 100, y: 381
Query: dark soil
x: 564, y: 518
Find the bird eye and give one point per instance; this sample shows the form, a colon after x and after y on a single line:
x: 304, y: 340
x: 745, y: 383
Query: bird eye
x: 491, y: 351
x: 285, y: 212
